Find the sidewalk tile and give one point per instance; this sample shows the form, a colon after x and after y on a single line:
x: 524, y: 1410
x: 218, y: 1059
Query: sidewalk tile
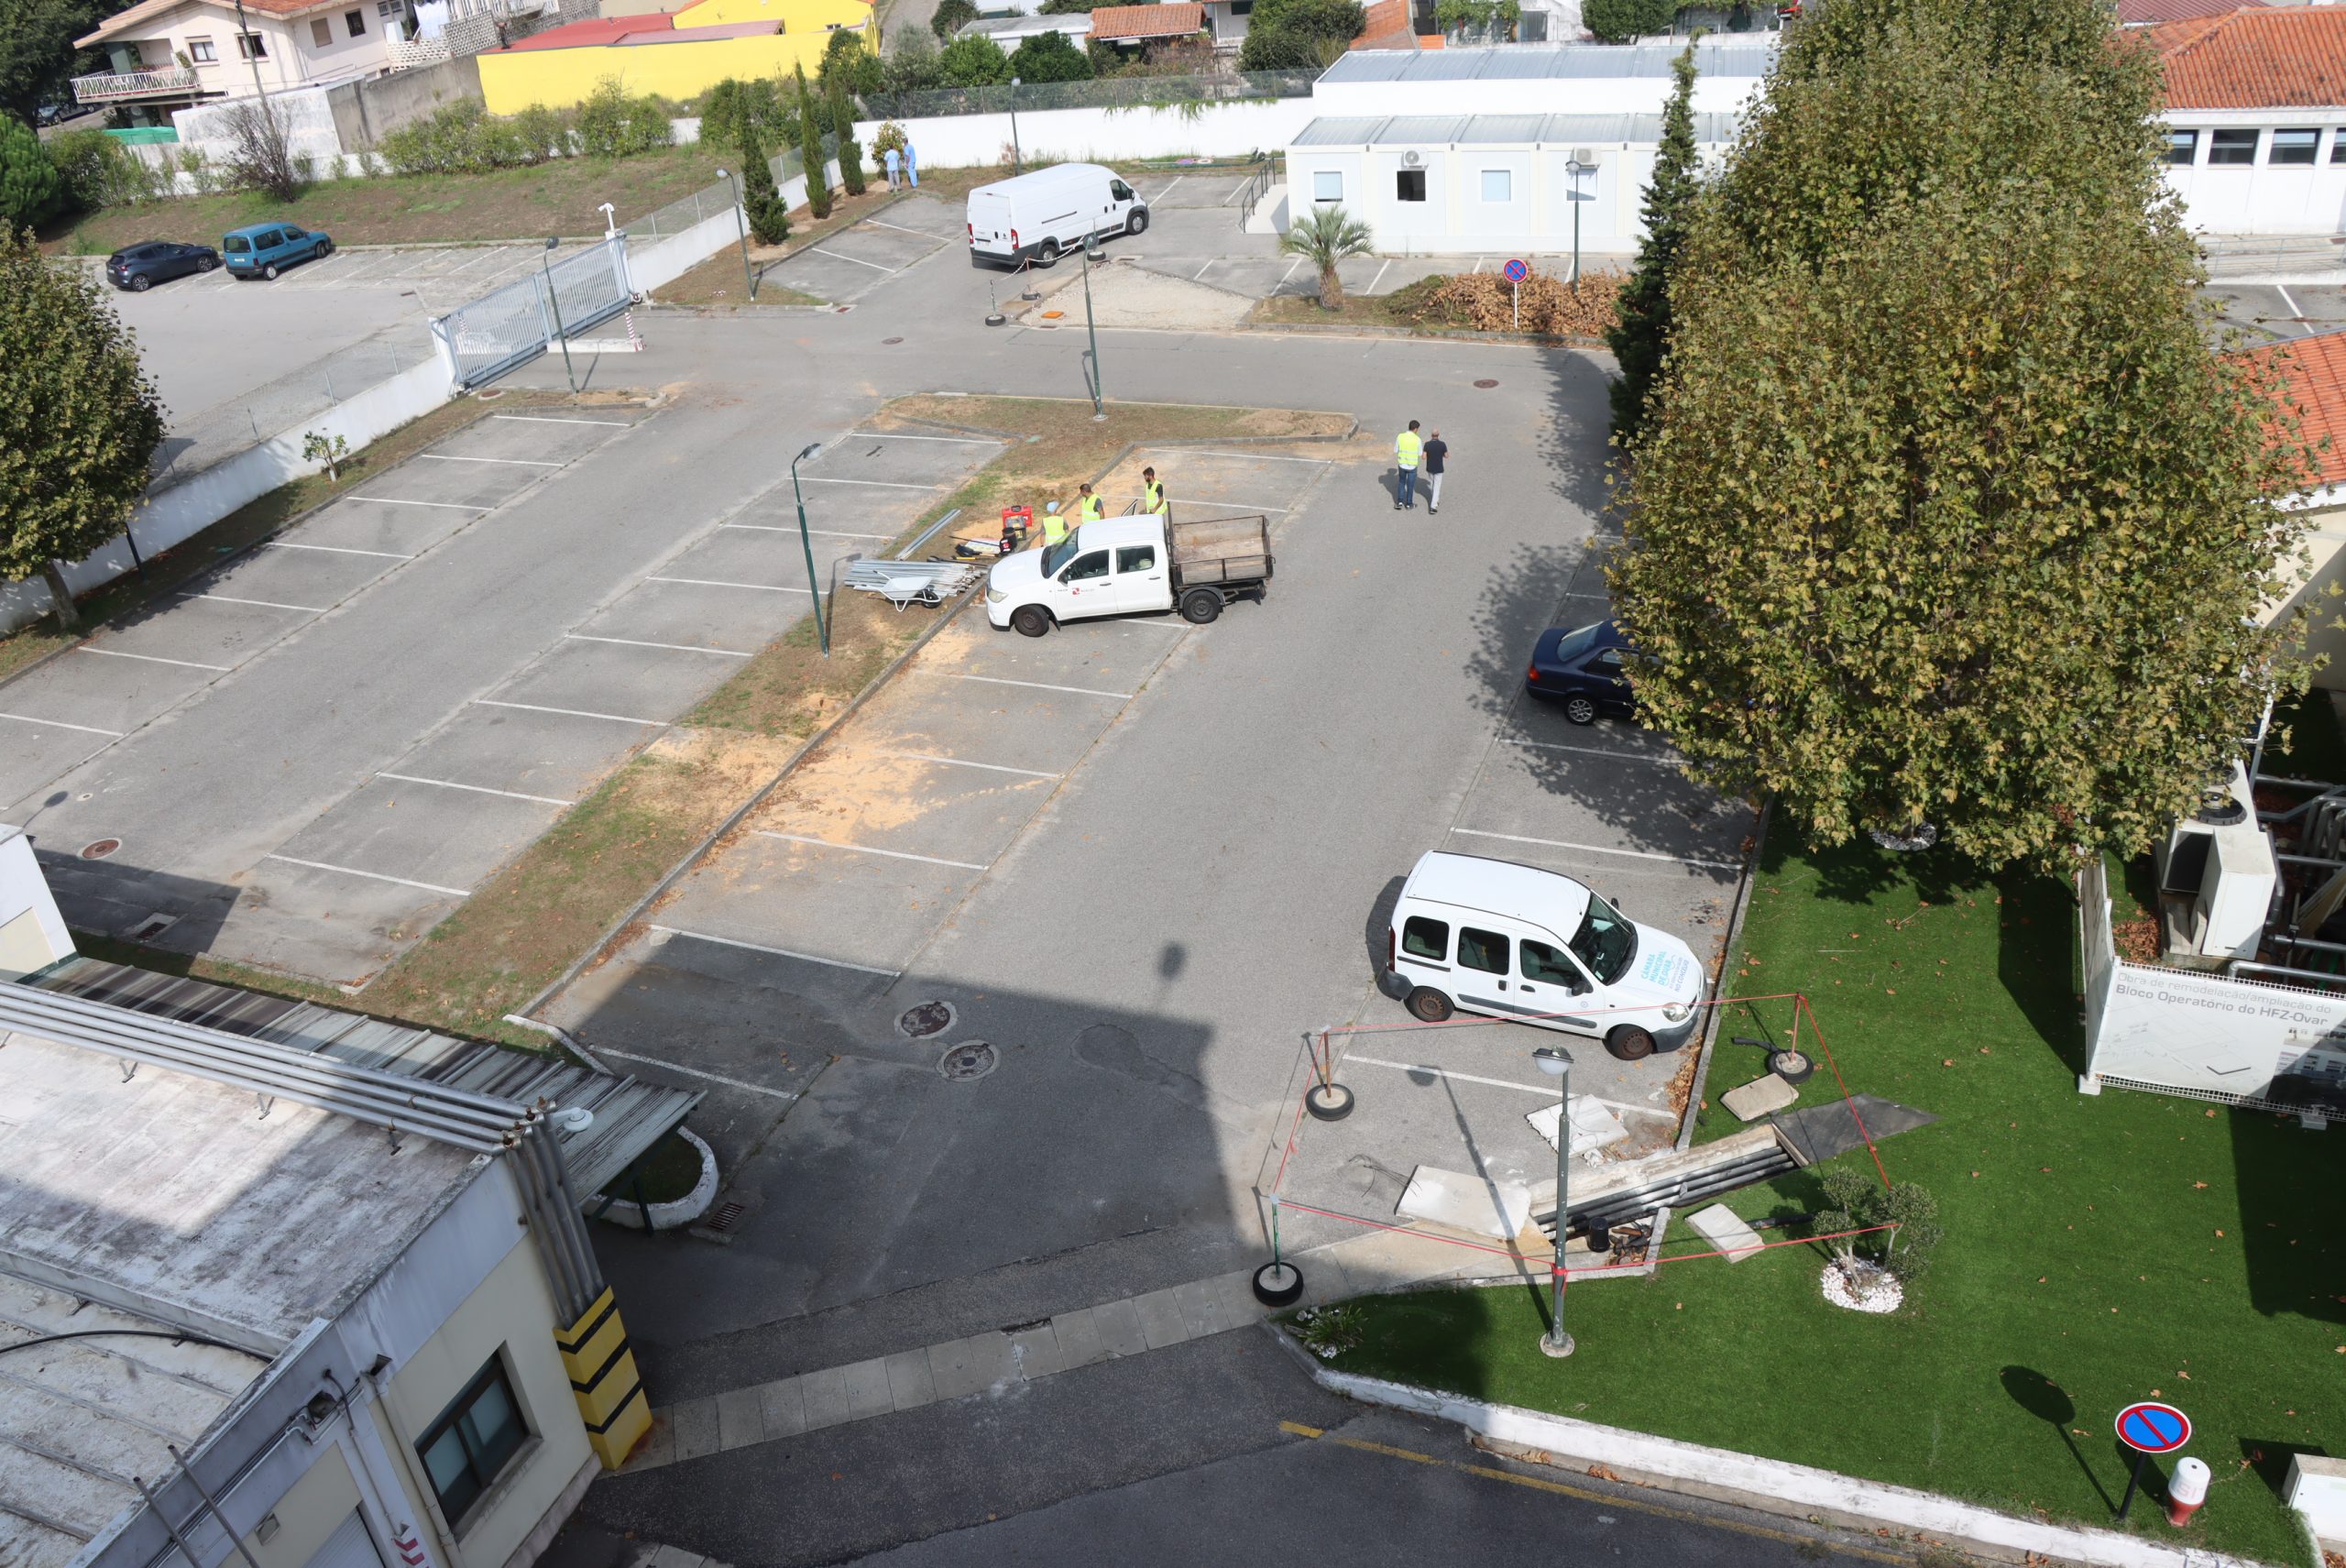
x: 909, y: 1382
x: 696, y: 1422
x: 965, y: 1365
x: 675, y: 1557
x: 1238, y: 1300
x: 1079, y: 1336
x: 1160, y: 1319
x: 826, y: 1394
x: 658, y: 1447
x: 867, y: 1390
x: 740, y: 1422
x: 1036, y: 1351
x: 1201, y: 1306
x: 1120, y: 1330
x: 783, y: 1402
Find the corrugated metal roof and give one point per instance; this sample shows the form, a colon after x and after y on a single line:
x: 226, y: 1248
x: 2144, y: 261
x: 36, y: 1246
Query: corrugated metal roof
x: 1520, y: 62
x: 1338, y: 131
x: 629, y: 1114
x: 1505, y: 130
x: 1420, y: 130
x: 1502, y: 129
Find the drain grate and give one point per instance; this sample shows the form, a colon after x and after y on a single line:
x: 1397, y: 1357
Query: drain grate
x: 722, y: 1218
x: 925, y: 1019
x: 1486, y: 384
x: 100, y: 849
x: 972, y: 1059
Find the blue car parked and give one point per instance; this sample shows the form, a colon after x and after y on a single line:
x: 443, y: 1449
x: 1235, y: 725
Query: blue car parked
x: 262, y: 251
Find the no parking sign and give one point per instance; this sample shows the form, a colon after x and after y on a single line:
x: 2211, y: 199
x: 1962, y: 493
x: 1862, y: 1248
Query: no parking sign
x: 2147, y: 1428
x: 1515, y: 272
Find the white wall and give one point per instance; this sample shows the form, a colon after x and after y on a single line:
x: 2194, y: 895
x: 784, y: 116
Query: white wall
x: 2263, y: 198
x: 1526, y: 95
x: 1454, y: 220
x: 304, y: 112
x: 1221, y: 130
x: 32, y: 933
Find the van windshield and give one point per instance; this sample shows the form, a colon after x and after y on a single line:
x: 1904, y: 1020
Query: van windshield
x: 1605, y: 941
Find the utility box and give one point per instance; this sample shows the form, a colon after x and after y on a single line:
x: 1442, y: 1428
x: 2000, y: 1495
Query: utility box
x: 2216, y: 879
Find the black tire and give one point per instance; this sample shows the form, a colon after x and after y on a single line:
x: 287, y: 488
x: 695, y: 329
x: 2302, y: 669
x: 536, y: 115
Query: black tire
x: 1629, y: 1043
x: 1330, y: 1102
x: 1201, y: 607
x: 324, y: 249
x: 1049, y: 254
x: 1278, y: 1285
x: 206, y: 263
x: 1428, y: 1006
x: 141, y: 283
x: 1792, y: 1066
x: 1136, y: 221
x: 1580, y: 709
x: 269, y: 271
x: 1030, y: 620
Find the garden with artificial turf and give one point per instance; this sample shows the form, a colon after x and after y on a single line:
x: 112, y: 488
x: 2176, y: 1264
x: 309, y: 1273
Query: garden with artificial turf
x: 2098, y: 1250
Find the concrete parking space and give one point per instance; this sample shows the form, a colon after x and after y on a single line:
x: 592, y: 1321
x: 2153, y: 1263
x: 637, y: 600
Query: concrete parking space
x: 849, y: 262
x: 443, y: 275
x: 2272, y: 313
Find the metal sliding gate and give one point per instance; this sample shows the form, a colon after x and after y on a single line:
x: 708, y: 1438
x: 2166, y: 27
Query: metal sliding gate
x: 514, y: 325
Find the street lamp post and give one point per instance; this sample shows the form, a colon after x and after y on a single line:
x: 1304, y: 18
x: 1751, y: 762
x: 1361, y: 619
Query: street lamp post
x: 553, y: 301
x: 1557, y: 1062
x: 1017, y: 163
x: 748, y: 283
x: 822, y: 623
x: 1582, y: 161
x: 1090, y: 250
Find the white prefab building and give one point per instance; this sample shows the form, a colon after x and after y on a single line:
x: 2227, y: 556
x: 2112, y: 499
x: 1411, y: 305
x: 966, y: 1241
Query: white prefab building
x: 1536, y: 79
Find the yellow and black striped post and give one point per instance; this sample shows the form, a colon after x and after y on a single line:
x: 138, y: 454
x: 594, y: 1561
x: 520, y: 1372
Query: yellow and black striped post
x: 603, y: 1379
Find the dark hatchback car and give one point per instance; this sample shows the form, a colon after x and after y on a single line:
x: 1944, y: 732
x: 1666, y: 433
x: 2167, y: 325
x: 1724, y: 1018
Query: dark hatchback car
x: 141, y: 266
x: 1584, y: 670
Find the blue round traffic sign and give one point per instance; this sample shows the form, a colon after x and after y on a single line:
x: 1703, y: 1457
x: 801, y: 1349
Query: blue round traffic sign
x: 1516, y: 271
x: 2153, y: 1428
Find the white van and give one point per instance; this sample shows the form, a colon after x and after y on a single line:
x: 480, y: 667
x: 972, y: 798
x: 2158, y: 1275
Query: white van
x: 1513, y: 941
x: 1040, y: 216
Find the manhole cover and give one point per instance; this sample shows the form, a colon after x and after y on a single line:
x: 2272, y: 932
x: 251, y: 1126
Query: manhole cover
x: 963, y: 1062
x: 1486, y: 384
x: 492, y: 395
x: 918, y: 1023
x: 890, y: 341
x: 100, y: 849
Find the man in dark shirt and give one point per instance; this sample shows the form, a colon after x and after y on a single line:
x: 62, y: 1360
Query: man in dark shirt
x: 1437, y: 449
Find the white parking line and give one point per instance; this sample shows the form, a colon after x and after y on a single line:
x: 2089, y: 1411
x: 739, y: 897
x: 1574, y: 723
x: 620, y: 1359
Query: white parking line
x: 948, y: 440
x: 673, y: 647
x: 396, y: 502
x: 1481, y: 262
x: 1538, y: 1089
x: 1177, y: 180
x: 1373, y: 282
x: 516, y: 462
x: 857, y: 259
x: 1221, y: 501
x: 333, y: 550
x: 1288, y: 274
x: 1242, y: 457
x: 696, y: 1072
x: 1592, y: 751
x: 825, y: 532
x: 900, y: 228
x: 963, y: 762
x: 152, y: 659
x: 265, y: 604
x: 570, y: 712
x: 713, y: 583
x: 475, y: 789
x: 1044, y: 686
x: 373, y: 876
x: 550, y: 419
x: 861, y: 850
x: 1601, y: 849
x: 1201, y: 271
x: 777, y: 952
x: 875, y: 484
x: 61, y: 724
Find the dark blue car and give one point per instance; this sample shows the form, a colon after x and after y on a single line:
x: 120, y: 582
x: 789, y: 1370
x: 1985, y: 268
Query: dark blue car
x: 140, y: 267
x: 1584, y: 669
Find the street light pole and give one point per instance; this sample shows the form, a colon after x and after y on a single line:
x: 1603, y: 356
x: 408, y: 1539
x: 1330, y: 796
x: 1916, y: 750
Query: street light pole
x: 1557, y: 1062
x: 748, y: 282
x: 1582, y: 161
x: 822, y: 624
x: 554, y: 302
x: 1091, y: 247
x: 249, y: 41
x: 1017, y: 163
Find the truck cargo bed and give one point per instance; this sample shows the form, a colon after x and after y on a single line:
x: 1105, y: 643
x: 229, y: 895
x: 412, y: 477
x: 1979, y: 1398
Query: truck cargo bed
x: 1222, y: 549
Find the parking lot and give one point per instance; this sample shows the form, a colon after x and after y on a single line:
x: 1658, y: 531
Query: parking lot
x: 2273, y: 312
x: 848, y: 263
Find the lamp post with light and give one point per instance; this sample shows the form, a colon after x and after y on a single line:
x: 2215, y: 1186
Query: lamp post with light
x: 749, y: 284
x: 1017, y: 164
x: 1557, y: 1063
x: 1582, y: 161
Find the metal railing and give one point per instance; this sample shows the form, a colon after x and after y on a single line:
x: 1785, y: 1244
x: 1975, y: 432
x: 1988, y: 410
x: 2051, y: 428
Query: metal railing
x: 1259, y: 176
x: 109, y: 85
x: 1107, y: 92
x: 508, y: 326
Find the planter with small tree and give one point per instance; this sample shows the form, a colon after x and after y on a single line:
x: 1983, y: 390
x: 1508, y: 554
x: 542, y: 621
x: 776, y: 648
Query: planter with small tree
x: 1881, y: 1239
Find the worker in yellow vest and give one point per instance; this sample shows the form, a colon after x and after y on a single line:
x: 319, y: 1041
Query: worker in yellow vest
x: 1406, y: 450
x: 1054, y: 524
x: 1152, y: 494
x: 1088, y: 508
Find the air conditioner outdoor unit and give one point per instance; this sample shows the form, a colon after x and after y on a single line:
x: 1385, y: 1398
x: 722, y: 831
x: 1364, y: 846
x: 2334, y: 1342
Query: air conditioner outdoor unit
x: 1411, y: 159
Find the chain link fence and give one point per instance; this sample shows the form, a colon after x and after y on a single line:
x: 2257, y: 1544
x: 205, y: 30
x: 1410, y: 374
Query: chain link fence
x: 710, y: 200
x: 1109, y: 93
x: 515, y: 323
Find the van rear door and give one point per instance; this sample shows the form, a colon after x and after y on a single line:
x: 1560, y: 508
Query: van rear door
x: 992, y: 227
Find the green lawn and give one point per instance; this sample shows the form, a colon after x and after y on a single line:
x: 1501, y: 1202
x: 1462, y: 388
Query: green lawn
x: 2099, y: 1250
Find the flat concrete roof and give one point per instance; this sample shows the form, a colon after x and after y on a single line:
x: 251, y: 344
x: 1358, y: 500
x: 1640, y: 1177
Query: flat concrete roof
x: 178, y: 1198
x: 1733, y: 55
x: 1503, y: 130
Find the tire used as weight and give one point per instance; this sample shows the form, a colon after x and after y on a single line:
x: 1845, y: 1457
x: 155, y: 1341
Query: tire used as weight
x: 1327, y: 1103
x: 1792, y: 1066
x: 1278, y: 1285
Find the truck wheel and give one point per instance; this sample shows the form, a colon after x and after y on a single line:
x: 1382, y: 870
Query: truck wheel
x: 1428, y: 1006
x: 1049, y: 254
x: 1629, y: 1043
x: 1201, y: 606
x: 1031, y: 621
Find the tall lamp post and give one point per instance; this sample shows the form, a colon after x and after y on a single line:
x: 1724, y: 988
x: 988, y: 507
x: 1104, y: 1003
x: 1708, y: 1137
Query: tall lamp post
x: 1582, y: 161
x: 822, y: 625
x: 553, y: 301
x: 1557, y: 1063
x: 1090, y: 250
x: 748, y: 282
x: 1017, y: 163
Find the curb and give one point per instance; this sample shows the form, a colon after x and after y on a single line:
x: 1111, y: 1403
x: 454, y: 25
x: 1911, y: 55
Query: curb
x: 1726, y: 956
x: 1433, y: 334
x: 1770, y: 1486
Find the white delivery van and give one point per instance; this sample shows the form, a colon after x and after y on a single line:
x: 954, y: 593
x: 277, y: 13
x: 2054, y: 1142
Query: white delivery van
x: 1040, y: 217
x: 1513, y: 941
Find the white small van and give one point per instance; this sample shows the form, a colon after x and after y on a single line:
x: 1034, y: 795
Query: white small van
x: 1041, y: 216
x: 1513, y: 941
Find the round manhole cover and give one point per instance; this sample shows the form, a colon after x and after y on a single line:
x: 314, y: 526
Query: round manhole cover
x: 918, y: 1023
x: 974, y: 1058
x: 491, y: 395
x: 1486, y: 384
x: 101, y: 848
x: 890, y: 341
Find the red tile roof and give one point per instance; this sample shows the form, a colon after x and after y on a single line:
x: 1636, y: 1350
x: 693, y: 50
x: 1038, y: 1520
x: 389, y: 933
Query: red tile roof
x: 595, y: 30
x: 2261, y: 56
x: 2144, y: 13
x: 2313, y: 375
x: 1113, y: 22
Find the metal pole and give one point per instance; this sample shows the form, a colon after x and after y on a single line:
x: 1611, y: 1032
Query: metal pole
x: 2133, y: 1479
x: 822, y: 622
x: 1575, y: 226
x: 1017, y: 160
x: 1091, y: 243
x: 742, y: 228
x: 1555, y: 1059
x: 249, y: 41
x: 546, y: 265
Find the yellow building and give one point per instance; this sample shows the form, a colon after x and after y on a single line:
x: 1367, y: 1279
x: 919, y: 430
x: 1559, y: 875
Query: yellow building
x: 676, y: 55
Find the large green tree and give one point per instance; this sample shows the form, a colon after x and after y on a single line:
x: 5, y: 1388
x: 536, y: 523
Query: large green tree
x: 79, y: 420
x: 1049, y: 56
x: 973, y: 61
x: 1946, y: 511
x: 30, y: 187
x: 1641, y: 337
x: 1294, y: 35
x: 810, y: 152
x: 1619, y: 21
x: 38, y: 59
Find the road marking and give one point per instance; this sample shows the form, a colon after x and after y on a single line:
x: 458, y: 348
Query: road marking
x: 886, y: 435
x: 876, y: 483
x: 475, y: 789
x: 1242, y: 457
x: 960, y: 763
x: 778, y: 952
x: 1481, y: 262
x: 1045, y: 687
x: 696, y: 1072
x: 825, y: 532
x: 1592, y: 751
x: 334, y: 550
x: 1250, y: 506
x: 1601, y: 849
x: 487, y: 255
x: 674, y: 647
x: 713, y: 583
x: 1288, y: 274
x: 1539, y: 1089
x: 570, y: 712
x: 1373, y: 282
x: 265, y: 604
x: 396, y: 502
x: 1201, y: 271
x: 61, y: 724
x: 152, y: 659
x: 2296, y: 315
x: 857, y: 259
x: 516, y: 462
x: 550, y: 419
x: 900, y: 228
x: 864, y: 849
x: 372, y: 876
x: 1177, y: 180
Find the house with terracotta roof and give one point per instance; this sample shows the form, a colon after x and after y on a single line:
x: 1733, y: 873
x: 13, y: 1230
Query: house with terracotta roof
x: 2151, y: 13
x: 1134, y: 26
x: 2312, y: 375
x: 2256, y: 117
x: 171, y: 54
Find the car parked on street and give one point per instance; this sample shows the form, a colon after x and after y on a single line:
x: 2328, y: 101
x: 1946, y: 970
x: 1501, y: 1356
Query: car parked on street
x: 140, y: 267
x: 1585, y: 669
x: 263, y: 250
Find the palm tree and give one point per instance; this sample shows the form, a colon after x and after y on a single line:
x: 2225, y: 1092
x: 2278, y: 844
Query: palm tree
x: 1324, y: 237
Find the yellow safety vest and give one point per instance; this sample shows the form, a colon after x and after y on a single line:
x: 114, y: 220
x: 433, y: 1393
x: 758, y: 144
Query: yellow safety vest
x: 1152, y: 499
x: 1406, y: 449
x: 1054, y: 527
x: 1090, y: 510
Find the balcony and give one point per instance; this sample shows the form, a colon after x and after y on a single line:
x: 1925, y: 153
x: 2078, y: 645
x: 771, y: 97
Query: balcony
x: 122, y: 86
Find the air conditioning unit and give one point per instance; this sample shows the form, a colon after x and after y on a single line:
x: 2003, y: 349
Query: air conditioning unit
x: 1412, y: 159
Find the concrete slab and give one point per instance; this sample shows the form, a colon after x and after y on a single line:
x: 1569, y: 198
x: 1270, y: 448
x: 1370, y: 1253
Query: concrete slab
x: 33, y: 755
x: 885, y: 801
x: 700, y: 614
x: 549, y: 755
x: 938, y: 713
x: 867, y: 1393
x: 1720, y: 1225
x: 825, y: 1397
x: 1161, y: 1322
x: 473, y: 487
x: 540, y: 440
x: 940, y: 459
x: 910, y: 1382
x: 968, y: 1366
x: 421, y: 833
x: 293, y: 580
x: 619, y: 677
x: 198, y: 631
x: 1036, y: 1351
x: 1117, y: 655
x: 1121, y: 1333
x: 378, y: 528
x: 754, y: 556
x: 739, y: 1419
x: 1080, y: 1339
x: 829, y: 903
x: 1595, y: 1124
x: 696, y: 1427
x: 782, y: 1406
x: 1757, y: 1098
x: 329, y: 924
x: 105, y: 697
x: 1475, y: 1203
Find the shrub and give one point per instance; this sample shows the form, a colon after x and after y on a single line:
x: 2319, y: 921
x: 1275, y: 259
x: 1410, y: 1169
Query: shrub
x: 1551, y: 307
x: 890, y: 135
x: 911, y: 66
x: 542, y: 133
x: 30, y: 187
x: 974, y: 61
x: 1050, y: 57
x: 258, y: 157
x: 612, y: 125
x: 951, y: 16
x: 1619, y: 21
x: 99, y: 172
x: 849, y: 62
x: 843, y: 125
x: 810, y: 152
x: 762, y: 204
